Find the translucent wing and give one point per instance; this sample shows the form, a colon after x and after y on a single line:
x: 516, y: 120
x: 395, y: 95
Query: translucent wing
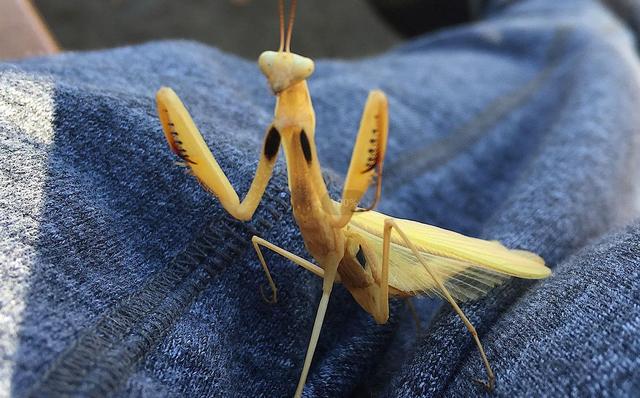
x: 468, y: 267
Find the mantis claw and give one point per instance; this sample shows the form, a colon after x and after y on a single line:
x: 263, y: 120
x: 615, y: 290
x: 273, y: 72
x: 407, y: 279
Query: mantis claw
x: 274, y: 296
x: 488, y: 386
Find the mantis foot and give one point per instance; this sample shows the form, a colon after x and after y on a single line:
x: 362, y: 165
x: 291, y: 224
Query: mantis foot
x: 273, y: 299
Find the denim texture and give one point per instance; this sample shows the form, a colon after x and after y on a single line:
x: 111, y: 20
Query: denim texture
x: 121, y: 276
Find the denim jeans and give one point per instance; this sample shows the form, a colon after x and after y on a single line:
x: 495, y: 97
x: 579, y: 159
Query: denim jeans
x: 121, y: 276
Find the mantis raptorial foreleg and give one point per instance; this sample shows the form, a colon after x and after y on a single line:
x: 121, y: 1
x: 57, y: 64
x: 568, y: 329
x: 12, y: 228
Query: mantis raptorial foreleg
x: 309, y: 266
x: 388, y: 225
x: 186, y: 141
x: 366, y: 159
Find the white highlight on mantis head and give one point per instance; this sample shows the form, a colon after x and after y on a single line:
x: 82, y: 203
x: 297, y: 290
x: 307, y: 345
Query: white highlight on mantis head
x: 284, y: 69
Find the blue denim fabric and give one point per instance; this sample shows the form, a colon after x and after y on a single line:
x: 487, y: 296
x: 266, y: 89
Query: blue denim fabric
x: 121, y: 276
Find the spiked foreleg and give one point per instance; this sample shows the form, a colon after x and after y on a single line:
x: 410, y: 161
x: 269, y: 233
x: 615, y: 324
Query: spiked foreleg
x: 186, y: 141
x: 367, y: 158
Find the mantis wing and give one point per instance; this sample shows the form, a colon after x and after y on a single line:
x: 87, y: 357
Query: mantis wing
x: 468, y: 267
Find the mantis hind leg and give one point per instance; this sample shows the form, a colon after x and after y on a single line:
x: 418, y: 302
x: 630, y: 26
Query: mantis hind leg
x: 379, y: 291
x: 309, y: 266
x: 374, y: 298
x: 330, y: 268
x: 414, y: 314
x: 390, y: 224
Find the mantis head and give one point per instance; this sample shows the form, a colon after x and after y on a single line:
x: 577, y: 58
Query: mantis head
x: 283, y: 68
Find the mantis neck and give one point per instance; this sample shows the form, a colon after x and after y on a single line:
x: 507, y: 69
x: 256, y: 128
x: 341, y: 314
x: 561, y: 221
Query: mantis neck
x: 295, y: 120
x: 294, y: 109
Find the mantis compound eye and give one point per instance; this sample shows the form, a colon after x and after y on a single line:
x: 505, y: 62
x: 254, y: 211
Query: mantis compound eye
x: 284, y: 69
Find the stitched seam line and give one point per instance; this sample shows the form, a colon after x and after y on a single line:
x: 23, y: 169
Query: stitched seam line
x: 104, y: 354
x: 417, y: 162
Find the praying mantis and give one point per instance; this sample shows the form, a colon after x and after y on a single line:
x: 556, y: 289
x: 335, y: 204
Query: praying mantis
x: 373, y: 255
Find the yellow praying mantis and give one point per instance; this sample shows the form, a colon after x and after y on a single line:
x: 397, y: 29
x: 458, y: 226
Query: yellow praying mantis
x: 373, y: 255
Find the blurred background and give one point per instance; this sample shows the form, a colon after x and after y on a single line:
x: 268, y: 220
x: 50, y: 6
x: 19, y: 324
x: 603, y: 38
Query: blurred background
x: 245, y: 27
x: 327, y: 28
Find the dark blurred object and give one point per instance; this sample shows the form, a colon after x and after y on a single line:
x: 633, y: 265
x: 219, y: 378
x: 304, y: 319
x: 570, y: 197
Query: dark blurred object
x: 627, y: 10
x: 414, y: 17
x: 22, y: 31
x: 331, y: 28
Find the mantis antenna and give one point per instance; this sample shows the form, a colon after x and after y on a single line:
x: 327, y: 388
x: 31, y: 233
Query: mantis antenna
x: 286, y: 45
x: 292, y: 17
x: 281, y: 12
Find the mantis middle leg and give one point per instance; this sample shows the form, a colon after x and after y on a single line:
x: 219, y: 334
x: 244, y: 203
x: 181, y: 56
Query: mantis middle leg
x: 186, y: 141
x: 309, y: 266
x: 388, y: 225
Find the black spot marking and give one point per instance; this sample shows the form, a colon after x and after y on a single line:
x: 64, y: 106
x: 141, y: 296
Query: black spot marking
x: 306, y: 147
x: 372, y: 161
x: 360, y: 257
x: 176, y: 145
x: 373, y: 165
x: 272, y: 143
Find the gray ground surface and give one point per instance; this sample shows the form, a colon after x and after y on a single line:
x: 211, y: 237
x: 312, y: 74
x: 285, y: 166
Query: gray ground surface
x: 327, y: 28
